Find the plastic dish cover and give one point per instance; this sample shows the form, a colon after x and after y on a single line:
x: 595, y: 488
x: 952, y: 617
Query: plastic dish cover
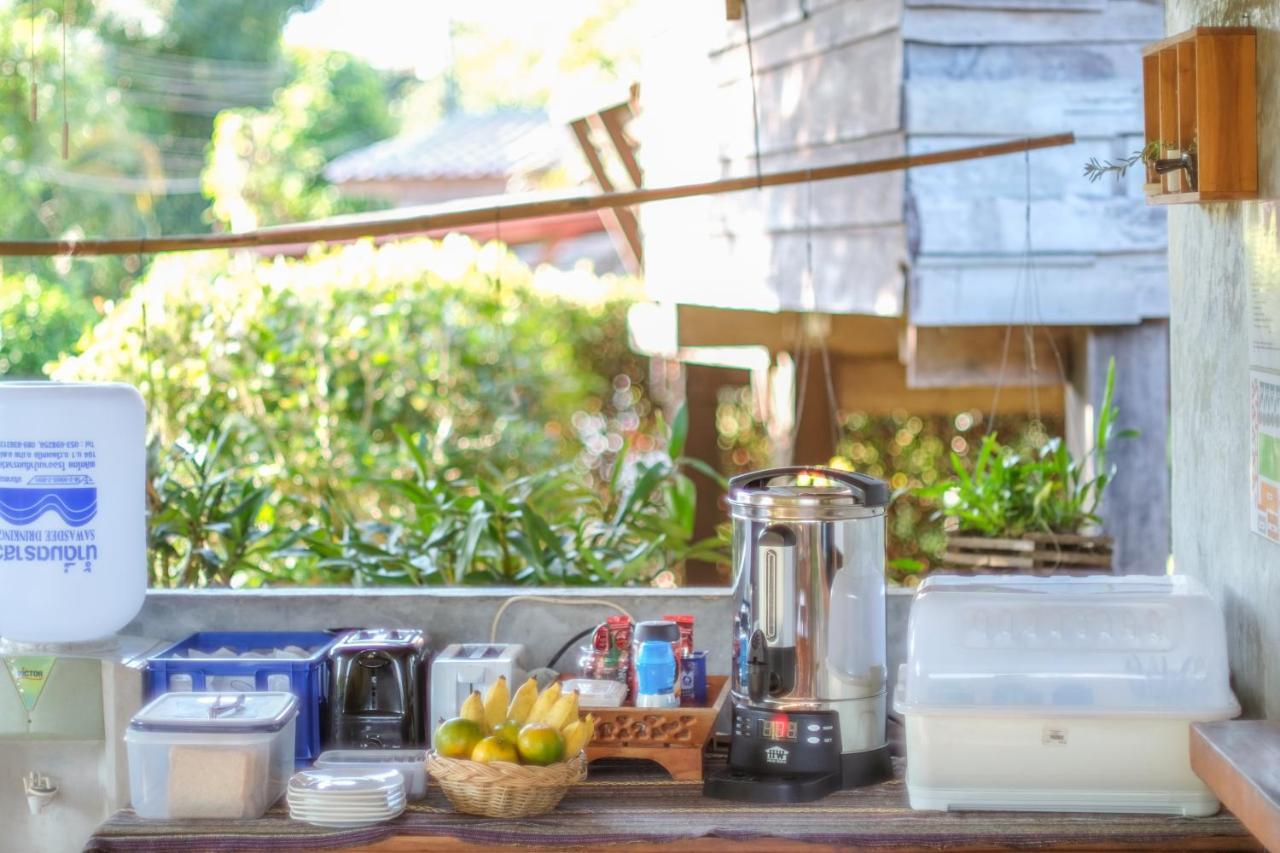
x: 1066, y: 646
x: 224, y: 712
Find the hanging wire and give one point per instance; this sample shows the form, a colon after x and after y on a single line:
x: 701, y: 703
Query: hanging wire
x: 1026, y: 293
x: 66, y: 125
x: 34, y: 108
x: 755, y: 99
x: 1028, y: 331
x: 497, y: 242
x: 1017, y: 293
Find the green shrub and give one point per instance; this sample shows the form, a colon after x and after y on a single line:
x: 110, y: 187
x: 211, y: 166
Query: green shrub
x: 416, y: 413
x: 319, y: 361
x: 38, y: 323
x: 911, y: 452
x: 1009, y: 492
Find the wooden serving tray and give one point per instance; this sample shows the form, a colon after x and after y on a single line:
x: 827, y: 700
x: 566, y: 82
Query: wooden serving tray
x: 672, y: 737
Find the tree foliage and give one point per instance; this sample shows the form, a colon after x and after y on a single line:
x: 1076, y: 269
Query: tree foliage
x: 266, y: 165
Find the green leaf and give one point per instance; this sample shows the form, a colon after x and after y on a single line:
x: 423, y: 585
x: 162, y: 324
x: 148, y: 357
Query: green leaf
x: 679, y: 433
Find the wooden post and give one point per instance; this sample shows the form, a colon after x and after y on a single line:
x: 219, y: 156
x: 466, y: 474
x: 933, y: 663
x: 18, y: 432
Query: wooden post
x: 814, y: 441
x: 702, y: 385
x: 1136, y: 507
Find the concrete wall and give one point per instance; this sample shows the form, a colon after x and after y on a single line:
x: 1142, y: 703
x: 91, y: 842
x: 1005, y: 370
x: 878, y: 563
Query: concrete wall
x: 461, y: 615
x: 1210, y: 263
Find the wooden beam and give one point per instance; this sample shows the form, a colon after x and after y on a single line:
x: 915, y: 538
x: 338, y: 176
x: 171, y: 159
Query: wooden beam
x: 879, y: 387
x: 847, y: 334
x: 621, y: 223
x: 950, y: 356
x: 413, y: 221
x: 614, y: 121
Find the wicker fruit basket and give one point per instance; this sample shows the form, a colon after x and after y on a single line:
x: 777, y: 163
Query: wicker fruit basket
x: 500, y: 789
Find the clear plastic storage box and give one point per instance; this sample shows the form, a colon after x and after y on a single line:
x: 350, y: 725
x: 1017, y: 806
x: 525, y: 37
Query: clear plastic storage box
x: 597, y: 692
x: 211, y: 755
x: 1061, y: 694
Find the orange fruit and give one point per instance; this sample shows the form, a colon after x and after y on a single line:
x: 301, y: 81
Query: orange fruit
x: 494, y: 748
x: 508, y: 731
x: 456, y: 738
x: 540, y: 743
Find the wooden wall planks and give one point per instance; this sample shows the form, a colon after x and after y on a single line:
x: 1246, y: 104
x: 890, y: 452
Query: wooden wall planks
x: 852, y: 77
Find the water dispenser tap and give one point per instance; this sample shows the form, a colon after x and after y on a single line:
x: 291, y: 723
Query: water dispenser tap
x: 40, y: 790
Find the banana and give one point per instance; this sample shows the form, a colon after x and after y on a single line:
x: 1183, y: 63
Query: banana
x: 522, y: 702
x: 564, y: 711
x: 495, y: 703
x: 578, y: 734
x: 473, y: 708
x: 542, y: 705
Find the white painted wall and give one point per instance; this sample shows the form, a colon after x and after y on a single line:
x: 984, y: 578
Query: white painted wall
x: 1209, y: 268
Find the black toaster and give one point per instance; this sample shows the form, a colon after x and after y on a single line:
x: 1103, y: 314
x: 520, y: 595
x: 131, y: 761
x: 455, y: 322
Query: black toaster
x: 378, y: 689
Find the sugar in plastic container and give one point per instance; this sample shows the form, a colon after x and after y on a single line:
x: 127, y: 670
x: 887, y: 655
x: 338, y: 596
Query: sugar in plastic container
x: 211, y: 755
x: 72, y: 510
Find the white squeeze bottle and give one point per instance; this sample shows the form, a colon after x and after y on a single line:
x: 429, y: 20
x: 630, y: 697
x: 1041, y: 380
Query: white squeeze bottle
x: 73, y: 535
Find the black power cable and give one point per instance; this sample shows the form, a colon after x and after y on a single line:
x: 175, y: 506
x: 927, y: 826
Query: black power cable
x: 575, y: 638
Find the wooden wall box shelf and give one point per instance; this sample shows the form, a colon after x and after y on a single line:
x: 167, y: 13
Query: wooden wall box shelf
x: 1029, y: 554
x: 671, y: 737
x: 1200, y: 89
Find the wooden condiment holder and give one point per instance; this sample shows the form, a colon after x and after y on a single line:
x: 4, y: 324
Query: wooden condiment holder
x: 671, y: 737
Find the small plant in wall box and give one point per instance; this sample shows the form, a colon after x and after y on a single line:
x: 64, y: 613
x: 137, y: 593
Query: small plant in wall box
x: 1150, y: 153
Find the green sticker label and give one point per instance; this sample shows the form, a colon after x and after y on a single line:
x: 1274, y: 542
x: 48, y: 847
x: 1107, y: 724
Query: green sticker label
x: 30, y: 675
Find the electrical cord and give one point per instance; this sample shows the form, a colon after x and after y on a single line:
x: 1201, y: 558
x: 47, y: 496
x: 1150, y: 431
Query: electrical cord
x: 551, y: 664
x: 547, y: 599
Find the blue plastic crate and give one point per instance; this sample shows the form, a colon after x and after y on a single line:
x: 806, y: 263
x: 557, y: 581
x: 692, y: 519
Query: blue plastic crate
x: 307, y: 678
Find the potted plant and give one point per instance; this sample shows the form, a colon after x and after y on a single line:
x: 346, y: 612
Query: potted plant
x: 1031, y: 512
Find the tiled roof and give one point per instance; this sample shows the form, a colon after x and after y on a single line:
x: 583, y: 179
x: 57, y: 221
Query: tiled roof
x: 497, y: 144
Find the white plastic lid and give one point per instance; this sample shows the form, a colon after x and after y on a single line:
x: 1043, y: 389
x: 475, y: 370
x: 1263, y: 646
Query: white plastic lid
x: 597, y: 692
x: 219, y: 712
x: 1066, y: 646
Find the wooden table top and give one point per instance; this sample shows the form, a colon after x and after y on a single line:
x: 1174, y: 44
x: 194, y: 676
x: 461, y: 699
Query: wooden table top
x: 638, y: 810
x: 1240, y: 762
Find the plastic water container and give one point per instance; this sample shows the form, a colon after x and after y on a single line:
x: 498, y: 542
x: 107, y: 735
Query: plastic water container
x: 72, y: 510
x: 1061, y: 693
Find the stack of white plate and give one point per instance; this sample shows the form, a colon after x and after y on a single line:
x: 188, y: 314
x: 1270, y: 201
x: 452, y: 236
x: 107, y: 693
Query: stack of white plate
x: 339, y: 798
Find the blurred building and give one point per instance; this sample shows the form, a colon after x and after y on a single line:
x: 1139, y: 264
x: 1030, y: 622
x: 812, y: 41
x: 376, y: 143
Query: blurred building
x: 485, y: 156
x: 922, y: 285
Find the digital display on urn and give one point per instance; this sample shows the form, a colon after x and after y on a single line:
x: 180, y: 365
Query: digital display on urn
x: 779, y: 728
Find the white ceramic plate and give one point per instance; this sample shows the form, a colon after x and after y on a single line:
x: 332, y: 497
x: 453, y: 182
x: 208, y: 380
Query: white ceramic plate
x: 302, y: 814
x: 371, y: 797
x: 311, y: 804
x: 337, y: 822
x: 346, y: 782
x: 317, y: 803
x: 344, y: 797
x: 319, y: 821
x: 320, y: 802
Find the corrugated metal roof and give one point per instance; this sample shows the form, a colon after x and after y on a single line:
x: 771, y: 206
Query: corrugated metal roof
x: 497, y: 144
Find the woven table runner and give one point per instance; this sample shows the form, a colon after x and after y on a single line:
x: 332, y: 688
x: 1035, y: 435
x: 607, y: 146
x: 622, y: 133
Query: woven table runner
x: 620, y: 805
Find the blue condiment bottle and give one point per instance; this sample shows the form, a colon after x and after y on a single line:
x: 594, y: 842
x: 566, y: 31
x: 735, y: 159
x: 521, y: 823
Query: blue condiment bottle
x: 656, y: 675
